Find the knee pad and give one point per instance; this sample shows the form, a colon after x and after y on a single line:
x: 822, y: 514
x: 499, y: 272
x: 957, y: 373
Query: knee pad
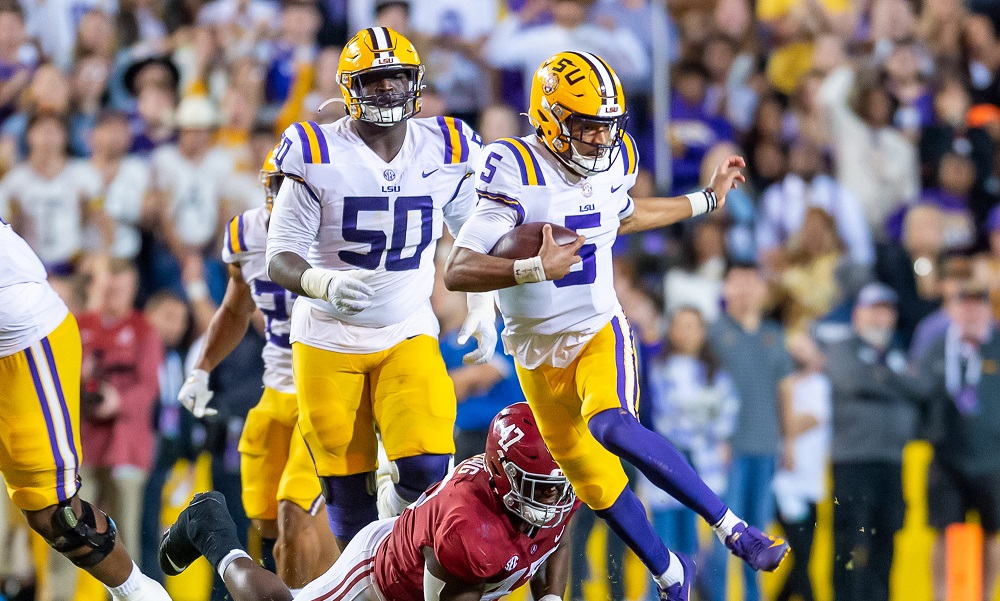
x: 73, y: 533
x: 350, y: 503
x: 418, y: 473
x: 612, y: 426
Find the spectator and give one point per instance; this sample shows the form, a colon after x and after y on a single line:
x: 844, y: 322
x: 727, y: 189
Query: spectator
x: 175, y: 427
x: 124, y: 181
x: 911, y: 268
x: 238, y: 24
x: 987, y: 264
x: 800, y: 484
x: 751, y: 350
x: 955, y: 273
x: 819, y: 276
x: 965, y: 418
x: 293, y: 52
x: 982, y: 52
x: 450, y: 35
x: 122, y: 355
x: 481, y: 390
x: 694, y: 130
x: 52, y: 201
x: 699, y: 284
x: 873, y: 160
x: 17, y: 59
x: 784, y: 204
x: 191, y: 179
x: 874, y: 416
x: 956, y: 176
x: 691, y: 403
x: 515, y: 45
x: 48, y: 94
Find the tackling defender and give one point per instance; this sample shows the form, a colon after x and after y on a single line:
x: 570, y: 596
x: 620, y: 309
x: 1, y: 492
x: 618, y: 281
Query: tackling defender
x: 353, y: 232
x: 492, y: 525
x: 572, y: 344
x: 40, y: 362
x: 281, y: 493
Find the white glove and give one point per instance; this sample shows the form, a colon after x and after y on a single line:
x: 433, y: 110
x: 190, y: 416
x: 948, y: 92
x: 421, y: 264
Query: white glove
x: 195, y: 394
x: 342, y: 289
x: 480, y: 323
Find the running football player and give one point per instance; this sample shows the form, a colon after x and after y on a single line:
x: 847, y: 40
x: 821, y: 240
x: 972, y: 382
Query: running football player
x: 40, y: 362
x: 571, y: 342
x: 492, y: 525
x: 353, y: 232
x: 281, y: 493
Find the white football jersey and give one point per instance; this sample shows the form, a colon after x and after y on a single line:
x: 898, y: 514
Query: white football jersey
x: 519, y: 181
x: 342, y: 207
x: 52, y: 210
x: 246, y: 237
x: 29, y: 308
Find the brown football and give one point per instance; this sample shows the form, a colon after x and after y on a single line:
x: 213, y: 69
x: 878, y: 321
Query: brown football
x: 524, y: 241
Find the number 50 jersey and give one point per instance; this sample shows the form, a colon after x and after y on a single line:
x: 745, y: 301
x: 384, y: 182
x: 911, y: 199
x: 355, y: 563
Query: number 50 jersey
x: 345, y: 208
x: 520, y: 181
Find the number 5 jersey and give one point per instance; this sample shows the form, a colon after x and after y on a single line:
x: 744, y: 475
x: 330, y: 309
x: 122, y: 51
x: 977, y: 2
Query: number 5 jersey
x: 345, y: 208
x: 519, y: 181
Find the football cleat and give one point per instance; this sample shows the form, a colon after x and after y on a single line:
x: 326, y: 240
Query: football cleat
x: 759, y: 550
x: 682, y: 590
x: 203, y: 522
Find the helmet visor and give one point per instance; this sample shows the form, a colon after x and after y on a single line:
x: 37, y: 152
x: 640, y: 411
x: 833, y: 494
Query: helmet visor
x: 388, y: 94
x: 542, y: 500
x: 594, y: 141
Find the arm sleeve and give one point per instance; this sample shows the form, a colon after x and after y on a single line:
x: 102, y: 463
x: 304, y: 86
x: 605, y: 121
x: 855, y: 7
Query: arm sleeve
x: 499, y: 186
x: 295, y: 220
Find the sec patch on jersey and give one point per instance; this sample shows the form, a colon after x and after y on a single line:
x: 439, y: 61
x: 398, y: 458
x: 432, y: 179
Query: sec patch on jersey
x: 524, y: 241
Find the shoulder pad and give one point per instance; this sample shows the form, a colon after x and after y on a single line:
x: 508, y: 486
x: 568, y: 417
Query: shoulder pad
x: 234, y: 244
x: 303, y: 143
x: 529, y: 170
x: 461, y: 142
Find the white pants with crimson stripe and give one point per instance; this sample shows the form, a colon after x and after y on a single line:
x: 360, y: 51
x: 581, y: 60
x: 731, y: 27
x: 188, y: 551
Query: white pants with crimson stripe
x: 352, y: 577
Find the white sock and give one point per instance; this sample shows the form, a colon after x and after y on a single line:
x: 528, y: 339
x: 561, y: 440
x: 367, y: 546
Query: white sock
x: 725, y: 526
x: 673, y: 575
x: 389, y: 502
x: 228, y: 559
x: 138, y: 587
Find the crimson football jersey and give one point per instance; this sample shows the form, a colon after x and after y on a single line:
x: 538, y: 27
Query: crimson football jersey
x: 473, y: 537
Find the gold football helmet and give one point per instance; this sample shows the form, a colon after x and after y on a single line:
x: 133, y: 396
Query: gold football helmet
x: 577, y: 108
x: 373, y: 55
x: 270, y: 177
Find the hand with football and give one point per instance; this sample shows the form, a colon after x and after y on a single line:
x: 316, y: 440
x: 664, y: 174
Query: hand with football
x: 725, y: 177
x: 557, y: 259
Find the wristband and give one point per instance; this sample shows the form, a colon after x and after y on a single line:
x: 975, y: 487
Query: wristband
x: 703, y: 201
x: 529, y: 270
x: 230, y: 558
x: 551, y: 597
x: 315, y: 282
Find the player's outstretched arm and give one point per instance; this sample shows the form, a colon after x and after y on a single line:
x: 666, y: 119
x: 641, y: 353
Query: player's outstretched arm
x: 225, y: 331
x: 652, y: 213
x: 439, y: 585
x: 549, y: 582
x: 470, y: 271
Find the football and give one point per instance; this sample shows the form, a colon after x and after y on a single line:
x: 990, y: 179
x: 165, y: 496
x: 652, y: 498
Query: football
x: 524, y: 241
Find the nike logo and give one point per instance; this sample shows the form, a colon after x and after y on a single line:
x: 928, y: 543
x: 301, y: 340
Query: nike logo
x: 616, y: 188
x: 429, y: 173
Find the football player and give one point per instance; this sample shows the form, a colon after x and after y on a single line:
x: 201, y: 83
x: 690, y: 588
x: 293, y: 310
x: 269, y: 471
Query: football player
x: 353, y: 232
x: 571, y: 342
x: 40, y: 362
x: 492, y: 525
x: 281, y: 493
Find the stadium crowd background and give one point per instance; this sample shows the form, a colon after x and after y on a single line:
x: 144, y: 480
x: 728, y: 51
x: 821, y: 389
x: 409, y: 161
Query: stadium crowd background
x: 131, y: 131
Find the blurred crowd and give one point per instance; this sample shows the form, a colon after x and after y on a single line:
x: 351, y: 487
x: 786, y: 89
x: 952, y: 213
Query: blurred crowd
x: 840, y: 306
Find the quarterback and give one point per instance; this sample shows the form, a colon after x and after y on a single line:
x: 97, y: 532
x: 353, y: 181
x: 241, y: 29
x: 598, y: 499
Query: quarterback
x: 40, y: 362
x: 281, y: 493
x: 353, y: 232
x: 492, y: 525
x: 570, y: 340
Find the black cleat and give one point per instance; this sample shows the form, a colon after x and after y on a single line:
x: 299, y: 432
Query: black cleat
x: 203, y: 528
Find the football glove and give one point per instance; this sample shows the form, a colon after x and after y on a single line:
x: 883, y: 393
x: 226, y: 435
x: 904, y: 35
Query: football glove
x: 480, y: 323
x: 342, y: 289
x: 195, y: 395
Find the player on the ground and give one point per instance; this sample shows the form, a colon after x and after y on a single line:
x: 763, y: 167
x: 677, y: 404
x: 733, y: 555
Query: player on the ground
x: 281, y: 493
x: 492, y: 525
x: 353, y: 232
x: 572, y: 344
x: 40, y: 362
